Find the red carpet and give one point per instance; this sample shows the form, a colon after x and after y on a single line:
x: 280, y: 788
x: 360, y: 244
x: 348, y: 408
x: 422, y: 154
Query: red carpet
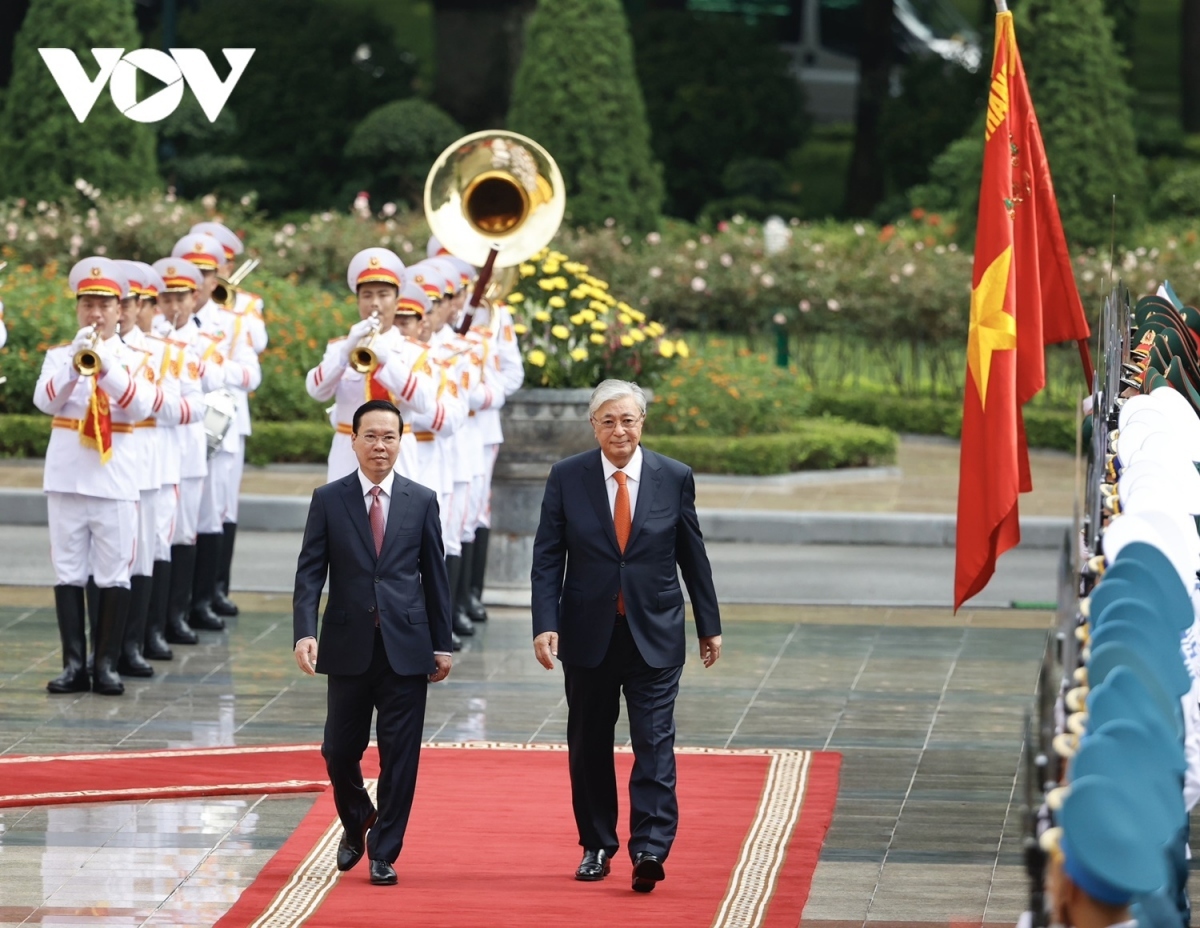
x: 491, y: 843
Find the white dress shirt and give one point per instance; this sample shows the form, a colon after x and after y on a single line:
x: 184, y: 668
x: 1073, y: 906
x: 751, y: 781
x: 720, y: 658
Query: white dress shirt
x: 633, y: 474
x: 385, y: 500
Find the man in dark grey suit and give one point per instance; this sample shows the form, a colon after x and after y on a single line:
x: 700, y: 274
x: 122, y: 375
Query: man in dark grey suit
x: 385, y: 635
x: 616, y: 522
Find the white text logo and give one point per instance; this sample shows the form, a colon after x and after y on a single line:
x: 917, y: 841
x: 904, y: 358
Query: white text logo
x: 119, y: 71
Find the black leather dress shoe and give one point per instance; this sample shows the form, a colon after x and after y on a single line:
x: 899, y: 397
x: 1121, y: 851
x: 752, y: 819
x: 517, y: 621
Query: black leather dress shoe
x: 594, y: 866
x: 350, y: 852
x: 382, y: 873
x: 647, y: 870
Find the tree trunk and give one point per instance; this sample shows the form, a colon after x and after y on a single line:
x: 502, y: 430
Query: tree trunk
x: 864, y: 188
x: 478, y: 45
x: 1189, y: 67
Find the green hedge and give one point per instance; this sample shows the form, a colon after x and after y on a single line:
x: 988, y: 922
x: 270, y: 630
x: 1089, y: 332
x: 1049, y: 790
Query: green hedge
x: 24, y: 436
x: 814, y: 444
x: 1044, y: 428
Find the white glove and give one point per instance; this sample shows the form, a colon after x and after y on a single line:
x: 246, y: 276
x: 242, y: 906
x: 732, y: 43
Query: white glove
x: 382, y: 353
x: 361, y: 330
x: 82, y: 338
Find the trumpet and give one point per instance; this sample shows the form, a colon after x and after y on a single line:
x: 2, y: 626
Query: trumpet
x: 86, y: 360
x: 226, y: 290
x: 362, y: 356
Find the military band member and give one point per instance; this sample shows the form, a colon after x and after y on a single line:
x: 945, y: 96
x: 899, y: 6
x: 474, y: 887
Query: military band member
x: 154, y: 645
x: 91, y: 480
x: 236, y: 359
x: 249, y: 325
x: 375, y: 276
x: 149, y: 453
x: 200, y: 372
x: 3, y: 329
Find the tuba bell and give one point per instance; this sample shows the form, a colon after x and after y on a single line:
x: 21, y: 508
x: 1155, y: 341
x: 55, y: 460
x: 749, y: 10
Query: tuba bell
x: 494, y: 189
x: 225, y: 290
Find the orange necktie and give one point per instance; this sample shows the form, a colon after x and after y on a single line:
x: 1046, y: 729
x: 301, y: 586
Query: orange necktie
x: 623, y: 522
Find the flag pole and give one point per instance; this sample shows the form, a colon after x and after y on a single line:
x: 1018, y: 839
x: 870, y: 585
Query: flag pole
x: 1001, y: 6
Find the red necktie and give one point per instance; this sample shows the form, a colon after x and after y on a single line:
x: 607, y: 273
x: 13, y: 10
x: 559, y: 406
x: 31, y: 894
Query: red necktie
x: 622, y: 522
x: 377, y: 519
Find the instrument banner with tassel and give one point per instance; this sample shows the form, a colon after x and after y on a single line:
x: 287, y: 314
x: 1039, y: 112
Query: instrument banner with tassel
x: 95, y: 428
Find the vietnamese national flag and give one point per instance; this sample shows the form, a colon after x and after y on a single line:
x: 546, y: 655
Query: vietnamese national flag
x: 1023, y: 297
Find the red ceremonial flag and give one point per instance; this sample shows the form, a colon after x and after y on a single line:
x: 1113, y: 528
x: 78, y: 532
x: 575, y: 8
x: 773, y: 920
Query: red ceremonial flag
x: 1023, y: 297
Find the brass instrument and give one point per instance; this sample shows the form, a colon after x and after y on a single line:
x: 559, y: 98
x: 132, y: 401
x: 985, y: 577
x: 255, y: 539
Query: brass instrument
x: 362, y: 356
x: 494, y: 199
x: 226, y: 290
x: 220, y: 411
x: 87, y: 360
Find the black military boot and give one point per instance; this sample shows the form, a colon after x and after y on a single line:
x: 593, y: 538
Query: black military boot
x: 462, y: 588
x: 132, y: 663
x: 92, y: 599
x: 462, y: 625
x: 110, y: 634
x: 475, y: 608
x: 221, y: 603
x: 154, y: 644
x: 179, y: 595
x: 72, y: 628
x: 204, y: 583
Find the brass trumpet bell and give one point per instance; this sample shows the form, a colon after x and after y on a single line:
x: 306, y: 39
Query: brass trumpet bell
x: 362, y: 358
x: 86, y: 360
x: 494, y: 187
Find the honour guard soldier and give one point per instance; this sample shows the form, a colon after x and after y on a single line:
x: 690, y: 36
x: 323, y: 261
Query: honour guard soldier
x: 249, y: 324
x: 236, y: 359
x: 374, y: 361
x: 198, y: 375
x: 91, y: 480
x: 154, y: 645
x: 150, y: 454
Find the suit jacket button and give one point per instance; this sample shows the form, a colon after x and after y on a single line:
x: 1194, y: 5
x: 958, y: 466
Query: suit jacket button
x: 614, y: 597
x: 370, y: 608
x: 622, y: 563
x: 376, y: 579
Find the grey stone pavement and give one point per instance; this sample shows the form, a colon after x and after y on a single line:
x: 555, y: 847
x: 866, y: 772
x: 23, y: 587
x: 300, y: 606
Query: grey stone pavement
x: 848, y: 648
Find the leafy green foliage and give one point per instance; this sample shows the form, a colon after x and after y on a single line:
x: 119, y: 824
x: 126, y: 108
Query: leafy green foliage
x: 43, y: 148
x: 394, y: 146
x: 1179, y: 195
x: 24, y: 436
x: 814, y: 444
x: 577, y: 94
x: 1077, y: 79
x: 187, y: 140
x: 302, y: 94
x: 718, y: 91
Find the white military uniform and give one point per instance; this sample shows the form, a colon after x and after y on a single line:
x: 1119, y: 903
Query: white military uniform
x: 196, y: 378
x: 91, y: 480
x: 3, y: 329
x: 504, y: 373
x: 398, y: 375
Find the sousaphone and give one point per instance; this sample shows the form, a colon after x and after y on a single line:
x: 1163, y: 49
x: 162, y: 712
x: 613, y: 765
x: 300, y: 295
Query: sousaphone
x: 494, y: 199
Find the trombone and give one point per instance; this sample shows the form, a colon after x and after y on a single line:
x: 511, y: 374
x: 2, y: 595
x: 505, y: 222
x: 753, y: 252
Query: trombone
x: 226, y: 290
x: 86, y: 360
x: 362, y: 355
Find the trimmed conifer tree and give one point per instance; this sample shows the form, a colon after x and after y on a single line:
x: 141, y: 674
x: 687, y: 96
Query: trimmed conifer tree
x: 1077, y: 79
x: 43, y: 147
x: 576, y: 93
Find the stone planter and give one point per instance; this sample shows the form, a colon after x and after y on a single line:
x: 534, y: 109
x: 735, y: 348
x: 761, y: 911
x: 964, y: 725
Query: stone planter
x: 541, y: 427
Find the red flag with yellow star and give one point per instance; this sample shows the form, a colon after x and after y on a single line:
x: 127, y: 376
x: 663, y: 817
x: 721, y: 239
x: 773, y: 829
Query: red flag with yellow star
x: 1023, y: 297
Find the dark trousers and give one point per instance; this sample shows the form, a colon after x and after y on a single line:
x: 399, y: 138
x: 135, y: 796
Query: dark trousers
x: 593, y: 707
x: 401, y: 704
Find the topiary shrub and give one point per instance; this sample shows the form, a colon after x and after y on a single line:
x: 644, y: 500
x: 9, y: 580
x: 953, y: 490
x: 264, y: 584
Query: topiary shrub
x: 1077, y: 79
x: 395, y: 144
x: 44, y: 149
x: 577, y: 94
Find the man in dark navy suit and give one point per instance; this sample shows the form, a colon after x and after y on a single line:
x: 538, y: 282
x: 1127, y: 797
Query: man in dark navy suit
x: 385, y: 635
x: 607, y: 602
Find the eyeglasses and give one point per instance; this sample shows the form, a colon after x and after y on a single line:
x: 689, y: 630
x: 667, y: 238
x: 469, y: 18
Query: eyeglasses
x: 373, y: 438
x: 628, y: 423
